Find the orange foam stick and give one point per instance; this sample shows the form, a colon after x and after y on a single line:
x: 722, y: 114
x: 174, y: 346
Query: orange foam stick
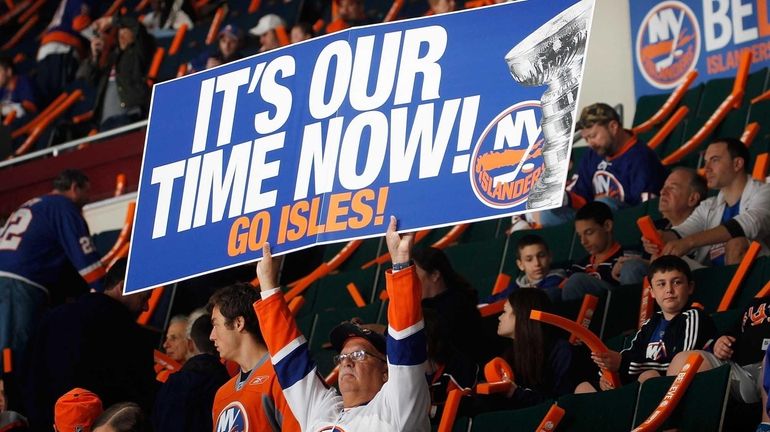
x: 649, y: 232
x: 9, y: 118
x: 760, y: 168
x: 114, y: 8
x: 157, y: 60
x: 551, y: 420
x: 739, y: 276
x: 742, y: 77
x: 749, y: 133
x: 451, y: 236
x: 764, y: 292
x: 762, y: 97
x: 125, y: 233
x: 331, y: 379
x: 329, y: 266
x: 165, y: 361
x: 182, y: 70
x: 152, y: 305
x: 321, y: 271
x: 120, y: 184
x: 296, y: 304
x: 450, y: 410
x: 356, y: 295
x: 668, y: 127
x: 668, y: 106
x: 19, y: 35
x: 492, y: 308
x: 708, y: 127
x: 7, y: 361
x: 40, y: 117
x: 647, y: 304
x: 394, y: 10
x: 176, y: 43
x: 141, y: 5
x: 40, y: 127
x: 673, y: 395
x: 219, y: 16
x: 282, y: 36
x: 27, y: 14
x: 501, y: 283
x: 591, y: 340
x: 254, y: 6
x: 499, y: 376
x: 586, y: 314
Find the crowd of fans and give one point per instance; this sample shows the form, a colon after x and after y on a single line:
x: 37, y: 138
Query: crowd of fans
x: 239, y: 362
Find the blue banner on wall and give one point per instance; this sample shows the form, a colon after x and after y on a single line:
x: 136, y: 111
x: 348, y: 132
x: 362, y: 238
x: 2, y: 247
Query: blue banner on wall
x: 321, y: 141
x: 671, y: 38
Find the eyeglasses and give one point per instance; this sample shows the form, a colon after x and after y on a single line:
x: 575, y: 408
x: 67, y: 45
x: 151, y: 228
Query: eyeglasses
x: 356, y: 356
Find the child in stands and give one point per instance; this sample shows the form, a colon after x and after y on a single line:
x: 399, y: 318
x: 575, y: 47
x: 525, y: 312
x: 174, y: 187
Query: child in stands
x: 593, y: 274
x: 673, y: 329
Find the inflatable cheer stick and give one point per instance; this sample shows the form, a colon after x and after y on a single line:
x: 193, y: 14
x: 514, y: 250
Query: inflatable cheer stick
x: 590, y: 339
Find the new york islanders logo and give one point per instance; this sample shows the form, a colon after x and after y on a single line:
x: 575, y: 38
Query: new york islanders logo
x: 233, y: 419
x: 507, y: 159
x: 667, y: 44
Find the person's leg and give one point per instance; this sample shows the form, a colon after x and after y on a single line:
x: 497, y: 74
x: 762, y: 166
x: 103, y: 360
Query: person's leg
x: 633, y: 271
x: 580, y: 284
x: 709, y: 362
x: 644, y: 376
x: 585, y: 387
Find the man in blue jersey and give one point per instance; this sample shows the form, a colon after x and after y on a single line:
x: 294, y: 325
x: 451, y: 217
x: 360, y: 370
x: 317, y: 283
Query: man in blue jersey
x: 618, y: 169
x: 39, y: 245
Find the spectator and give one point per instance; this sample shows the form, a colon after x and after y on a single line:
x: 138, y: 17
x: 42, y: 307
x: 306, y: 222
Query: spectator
x: 675, y: 328
x: 618, y: 169
x: 301, y: 31
x: 721, y: 228
x: 454, y: 299
x: 76, y: 411
x: 253, y: 397
x: 177, y: 343
x: 184, y: 402
x: 682, y: 191
x: 165, y: 17
x: 541, y: 361
x: 593, y: 274
x: 534, y: 261
x: 440, y: 6
x: 62, y: 47
x: 39, y: 245
x: 93, y: 343
x: 265, y: 31
x: 447, y: 367
x: 380, y: 387
x: 350, y: 13
x: 743, y: 348
x: 10, y: 420
x: 17, y: 94
x: 123, y: 96
x: 229, y: 43
x: 122, y: 417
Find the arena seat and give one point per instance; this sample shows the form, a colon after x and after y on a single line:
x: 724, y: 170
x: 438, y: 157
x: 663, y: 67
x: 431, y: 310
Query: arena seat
x: 609, y: 411
x: 510, y: 421
x: 701, y: 409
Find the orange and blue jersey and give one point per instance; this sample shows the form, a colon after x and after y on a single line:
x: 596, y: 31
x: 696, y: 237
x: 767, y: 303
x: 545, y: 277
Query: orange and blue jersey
x: 253, y: 404
x: 43, y: 238
x: 403, y: 402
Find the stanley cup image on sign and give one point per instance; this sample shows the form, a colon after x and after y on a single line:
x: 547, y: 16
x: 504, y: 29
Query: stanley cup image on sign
x: 438, y: 120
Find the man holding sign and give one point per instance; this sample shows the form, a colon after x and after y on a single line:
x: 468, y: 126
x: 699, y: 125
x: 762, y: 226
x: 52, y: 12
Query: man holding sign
x: 375, y: 393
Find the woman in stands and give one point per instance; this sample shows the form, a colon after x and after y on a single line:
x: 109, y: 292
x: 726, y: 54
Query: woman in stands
x: 454, y: 300
x: 540, y: 359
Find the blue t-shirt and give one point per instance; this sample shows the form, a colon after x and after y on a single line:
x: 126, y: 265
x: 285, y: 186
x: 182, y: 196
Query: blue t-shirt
x: 717, y: 251
x: 656, y: 349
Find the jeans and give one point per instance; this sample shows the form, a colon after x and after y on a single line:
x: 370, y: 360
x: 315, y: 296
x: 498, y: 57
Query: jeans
x: 21, y: 306
x: 580, y: 284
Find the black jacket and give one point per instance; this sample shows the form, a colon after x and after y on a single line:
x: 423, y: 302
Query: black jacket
x: 185, y: 401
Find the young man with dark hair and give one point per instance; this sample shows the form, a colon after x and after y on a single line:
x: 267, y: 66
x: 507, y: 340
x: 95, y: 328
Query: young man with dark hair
x: 721, y: 227
x: 593, y: 274
x: 251, y: 400
x: 675, y: 328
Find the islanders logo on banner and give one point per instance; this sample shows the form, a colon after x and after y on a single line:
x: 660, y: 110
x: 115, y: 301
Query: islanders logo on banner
x: 233, y: 419
x: 508, y: 159
x: 667, y: 44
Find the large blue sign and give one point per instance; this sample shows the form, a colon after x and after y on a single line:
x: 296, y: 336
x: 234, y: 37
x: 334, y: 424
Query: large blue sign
x: 321, y: 141
x: 672, y: 37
